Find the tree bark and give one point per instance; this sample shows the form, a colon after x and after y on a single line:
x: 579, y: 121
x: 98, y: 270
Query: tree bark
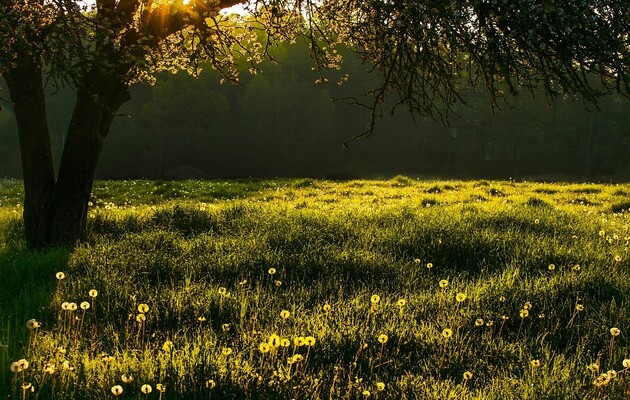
x: 27, y: 94
x: 93, y: 114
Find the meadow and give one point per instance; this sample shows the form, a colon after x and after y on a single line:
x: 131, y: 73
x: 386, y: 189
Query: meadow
x: 312, y: 289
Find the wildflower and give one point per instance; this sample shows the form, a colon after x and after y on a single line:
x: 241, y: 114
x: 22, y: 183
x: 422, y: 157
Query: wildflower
x: 380, y: 386
x: 161, y: 388
x: 429, y: 265
x: 527, y: 305
x: 309, y: 341
x: 28, y: 385
x: 447, y: 333
x: 272, y: 271
x: 535, y: 363
x: 243, y: 282
x: 285, y: 342
x: 60, y: 275
x: 489, y: 323
x: 626, y: 363
x: 366, y: 393
x: 479, y: 322
x: 22, y: 365
x: 72, y: 306
x: 579, y: 307
x: 536, y: 221
x: 468, y: 375
x: 551, y: 267
x: 201, y: 318
x: 502, y: 299
x: 66, y: 366
x: 32, y: 324
x: 49, y: 368
x: 602, y: 380
x: 298, y: 341
x: 84, y: 305
x: 167, y: 346
x: 375, y: 299
x: 143, y: 308
x: 612, y: 374
x: 225, y: 327
x: 284, y: 314
x: 541, y: 315
x: 222, y: 291
x: 146, y: 388
x: 117, y: 390
x: 615, y: 331
x: 505, y: 317
x: 64, y: 305
x: 618, y: 258
x: 141, y: 317
x: 593, y: 367
x: 226, y: 351
x: 602, y: 233
x: 61, y: 350
x: 401, y: 303
x: 210, y: 384
x: 383, y: 339
x: 524, y: 313
x: 297, y: 358
x: 577, y: 267
x: 14, y: 367
x: 326, y: 307
x: 443, y: 283
x: 264, y: 348
x: 274, y: 340
x: 460, y: 297
x: 93, y: 293
x: 278, y: 283
x: 126, y: 378
x: 417, y: 261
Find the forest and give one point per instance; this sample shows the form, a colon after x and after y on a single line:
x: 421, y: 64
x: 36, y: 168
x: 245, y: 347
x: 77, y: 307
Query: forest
x: 287, y: 120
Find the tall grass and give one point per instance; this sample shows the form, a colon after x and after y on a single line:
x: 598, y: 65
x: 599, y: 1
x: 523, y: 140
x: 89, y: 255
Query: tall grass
x: 312, y: 289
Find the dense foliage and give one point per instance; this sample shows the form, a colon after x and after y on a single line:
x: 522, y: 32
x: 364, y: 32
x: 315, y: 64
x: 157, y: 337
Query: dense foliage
x: 311, y: 289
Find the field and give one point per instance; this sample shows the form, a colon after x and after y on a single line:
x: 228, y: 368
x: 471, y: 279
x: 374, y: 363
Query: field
x: 309, y: 289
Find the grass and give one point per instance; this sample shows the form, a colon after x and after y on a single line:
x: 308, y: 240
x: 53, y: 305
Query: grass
x: 307, y: 289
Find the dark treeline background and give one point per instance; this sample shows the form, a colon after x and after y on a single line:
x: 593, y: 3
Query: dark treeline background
x: 281, y: 123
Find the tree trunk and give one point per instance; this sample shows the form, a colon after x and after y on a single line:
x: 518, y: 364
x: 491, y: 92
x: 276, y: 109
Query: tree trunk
x: 93, y: 114
x: 27, y: 94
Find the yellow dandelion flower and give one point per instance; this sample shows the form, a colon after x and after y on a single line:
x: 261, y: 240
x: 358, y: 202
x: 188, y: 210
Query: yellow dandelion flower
x: 117, y: 390
x: 28, y: 385
x: 222, y: 291
x: 146, y: 388
x: 460, y: 297
x: 225, y: 327
x: 383, y: 339
x: 226, y: 351
x: 366, y: 393
x: 579, y: 307
x: 285, y: 342
x: 468, y: 375
x: 298, y: 341
x: 60, y: 275
x: 443, y: 283
x: 602, y: 233
x: 297, y: 358
x: 201, y: 318
x: 126, y: 378
x: 429, y: 265
x: 527, y: 305
x: 22, y: 364
x: 264, y: 348
x: 32, y: 324
x: 211, y: 384
x: 375, y: 299
x: 626, y: 363
x: 14, y: 367
x: 272, y: 271
x: 84, y: 305
x: 489, y: 323
x: 401, y: 303
x: 551, y: 267
x: 535, y: 363
x: 593, y: 367
x: 615, y: 331
x: 309, y: 341
x: 93, y: 293
x: 143, y: 308
x: 524, y: 313
x: 505, y: 317
x: 612, y: 374
x: 278, y: 283
x: 417, y: 261
x: 577, y: 267
x: 284, y: 314
x: 160, y: 387
x: 380, y: 386
x: 536, y: 221
x: 327, y: 307
x: 447, y: 333
x: 479, y: 322
x: 274, y: 340
x: 618, y: 258
x: 541, y: 315
x: 167, y: 346
x: 141, y: 317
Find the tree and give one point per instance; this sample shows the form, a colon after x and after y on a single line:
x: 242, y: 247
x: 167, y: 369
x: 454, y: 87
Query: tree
x: 421, y: 49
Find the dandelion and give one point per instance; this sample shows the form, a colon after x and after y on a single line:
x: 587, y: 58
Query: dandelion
x: 160, y: 388
x: 401, y: 303
x: 468, y: 375
x: 60, y: 275
x: 615, y: 331
x: 551, y: 267
x: 577, y: 267
x: 593, y: 367
x: 366, y: 393
x: 447, y: 333
x: 618, y: 258
x: 541, y: 315
x: 272, y: 271
x: 443, y: 283
x: 602, y: 380
x: 264, y: 348
x: 417, y: 261
x: 298, y: 341
x: 284, y: 314
x: 479, y: 322
x: 226, y: 351
x: 536, y: 221
x: 14, y: 367
x: 579, y: 307
x: 375, y: 299
x: 226, y: 327
x: 210, y: 384
x: 32, y: 324
x: 524, y: 313
x: 84, y: 305
x: 201, y: 318
x: 93, y: 293
x: 489, y: 323
x: 49, y: 368
x: 380, y: 386
x: 309, y: 341
x: 429, y: 265
x: 383, y: 339
x: 126, y: 378
x: 141, y: 318
x: 143, y: 308
x: 72, y: 306
x: 327, y: 307
x: 285, y: 342
x: 527, y: 305
x: 274, y: 340
x: 146, y: 388
x: 117, y: 390
x: 22, y: 365
x: 602, y: 233
x: 222, y: 291
x: 612, y: 374
x: 535, y: 363
x: 460, y: 297
x: 297, y: 358
x: 626, y: 363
